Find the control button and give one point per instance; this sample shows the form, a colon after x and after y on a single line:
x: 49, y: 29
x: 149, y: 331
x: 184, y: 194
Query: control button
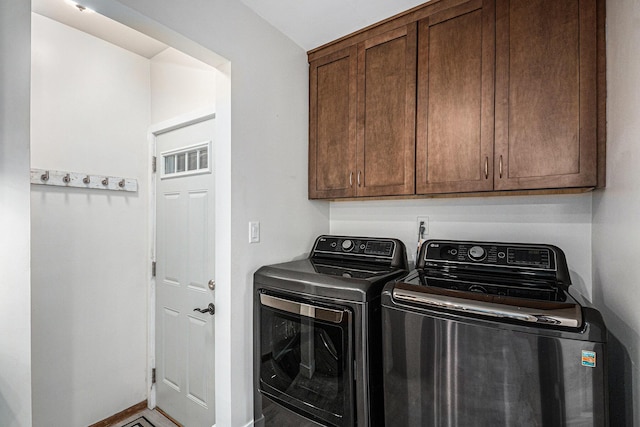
x: 477, y: 253
x: 347, y: 245
x: 501, y: 255
x: 362, y: 247
x: 453, y: 252
x: 334, y: 244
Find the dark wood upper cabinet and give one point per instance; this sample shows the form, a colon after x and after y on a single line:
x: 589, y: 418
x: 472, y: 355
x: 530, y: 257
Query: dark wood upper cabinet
x: 454, y: 151
x: 386, y: 113
x: 455, y: 96
x: 332, y: 125
x: 546, y: 94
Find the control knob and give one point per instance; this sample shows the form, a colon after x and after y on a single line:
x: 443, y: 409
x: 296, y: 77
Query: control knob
x: 477, y: 253
x: 347, y: 245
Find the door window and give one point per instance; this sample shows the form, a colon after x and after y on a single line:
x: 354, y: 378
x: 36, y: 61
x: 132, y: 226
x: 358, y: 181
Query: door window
x: 186, y: 161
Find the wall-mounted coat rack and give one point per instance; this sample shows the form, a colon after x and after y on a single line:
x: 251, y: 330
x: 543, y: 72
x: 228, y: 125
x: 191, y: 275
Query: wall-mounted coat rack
x: 82, y: 180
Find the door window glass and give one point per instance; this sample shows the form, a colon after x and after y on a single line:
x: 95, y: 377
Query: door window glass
x: 190, y: 160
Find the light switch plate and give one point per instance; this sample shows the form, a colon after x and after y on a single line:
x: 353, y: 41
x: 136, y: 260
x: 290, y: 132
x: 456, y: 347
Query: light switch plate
x: 254, y: 232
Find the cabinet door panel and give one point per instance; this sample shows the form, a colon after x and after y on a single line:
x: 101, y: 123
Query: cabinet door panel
x: 386, y: 113
x: 455, y: 100
x: 546, y: 113
x: 332, y: 135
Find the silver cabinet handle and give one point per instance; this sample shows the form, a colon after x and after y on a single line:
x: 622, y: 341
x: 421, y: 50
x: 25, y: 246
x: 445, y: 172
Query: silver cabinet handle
x: 306, y: 310
x: 359, y: 172
x: 486, y: 167
x: 351, y: 179
x: 500, y: 167
x: 211, y: 309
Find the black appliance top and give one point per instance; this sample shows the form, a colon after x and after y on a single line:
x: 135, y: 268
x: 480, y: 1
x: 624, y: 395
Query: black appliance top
x: 512, y: 281
x: 533, y: 271
x: 339, y: 267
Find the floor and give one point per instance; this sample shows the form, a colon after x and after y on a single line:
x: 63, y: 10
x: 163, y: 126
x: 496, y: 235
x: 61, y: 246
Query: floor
x: 154, y: 417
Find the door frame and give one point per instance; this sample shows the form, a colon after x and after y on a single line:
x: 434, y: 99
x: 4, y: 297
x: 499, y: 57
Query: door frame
x: 154, y: 131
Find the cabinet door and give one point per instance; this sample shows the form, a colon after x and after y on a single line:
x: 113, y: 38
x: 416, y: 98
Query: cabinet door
x: 546, y: 106
x: 386, y: 113
x: 332, y: 125
x: 454, y: 147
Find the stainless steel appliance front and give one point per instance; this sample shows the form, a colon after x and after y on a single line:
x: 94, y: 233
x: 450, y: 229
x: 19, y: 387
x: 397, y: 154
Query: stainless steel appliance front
x: 490, y: 334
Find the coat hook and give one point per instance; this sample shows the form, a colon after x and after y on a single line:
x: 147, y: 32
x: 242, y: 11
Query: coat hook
x: 121, y: 183
x: 105, y: 181
x: 66, y: 179
x: 86, y: 179
x: 45, y: 176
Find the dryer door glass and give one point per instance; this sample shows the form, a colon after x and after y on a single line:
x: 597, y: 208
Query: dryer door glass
x: 306, y: 358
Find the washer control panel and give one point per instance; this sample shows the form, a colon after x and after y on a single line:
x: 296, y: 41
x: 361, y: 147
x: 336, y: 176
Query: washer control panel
x: 538, y: 257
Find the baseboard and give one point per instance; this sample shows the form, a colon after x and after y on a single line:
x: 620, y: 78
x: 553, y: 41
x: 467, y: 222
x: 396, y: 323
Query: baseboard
x: 169, y: 417
x: 122, y: 415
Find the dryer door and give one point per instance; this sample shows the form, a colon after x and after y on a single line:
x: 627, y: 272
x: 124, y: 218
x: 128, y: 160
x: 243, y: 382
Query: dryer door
x: 306, y: 360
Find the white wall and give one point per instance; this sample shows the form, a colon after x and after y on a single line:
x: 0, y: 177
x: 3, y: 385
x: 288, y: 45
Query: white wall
x: 90, y: 262
x: 616, y: 210
x: 563, y: 220
x: 264, y: 176
x: 180, y: 84
x: 15, y: 291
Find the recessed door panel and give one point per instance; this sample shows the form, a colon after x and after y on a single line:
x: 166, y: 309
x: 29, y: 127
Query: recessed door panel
x: 171, y: 363
x: 197, y: 240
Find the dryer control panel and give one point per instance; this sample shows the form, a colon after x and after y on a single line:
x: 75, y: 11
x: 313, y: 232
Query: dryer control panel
x: 364, y: 249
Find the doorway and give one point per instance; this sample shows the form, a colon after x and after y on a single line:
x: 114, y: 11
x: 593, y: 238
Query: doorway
x: 91, y: 257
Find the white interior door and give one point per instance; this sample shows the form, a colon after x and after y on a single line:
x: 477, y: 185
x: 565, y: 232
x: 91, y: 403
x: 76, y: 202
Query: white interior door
x: 185, y: 340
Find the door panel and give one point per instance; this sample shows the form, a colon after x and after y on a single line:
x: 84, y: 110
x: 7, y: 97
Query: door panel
x: 171, y: 364
x: 332, y: 135
x: 546, y: 113
x: 386, y: 113
x: 185, y: 346
x: 197, y: 251
x: 455, y: 100
x: 196, y: 382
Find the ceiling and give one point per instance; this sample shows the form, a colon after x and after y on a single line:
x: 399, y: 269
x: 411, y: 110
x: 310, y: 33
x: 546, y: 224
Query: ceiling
x: 99, y: 26
x: 309, y: 24
x: 313, y: 23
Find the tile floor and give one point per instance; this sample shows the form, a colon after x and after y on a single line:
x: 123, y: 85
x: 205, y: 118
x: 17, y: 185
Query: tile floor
x: 155, y: 417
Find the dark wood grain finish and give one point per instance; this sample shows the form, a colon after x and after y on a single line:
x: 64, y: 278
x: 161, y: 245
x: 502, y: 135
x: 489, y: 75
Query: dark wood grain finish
x: 511, y: 96
x: 546, y: 106
x: 602, y: 93
x: 332, y: 131
x: 386, y: 113
x: 454, y: 151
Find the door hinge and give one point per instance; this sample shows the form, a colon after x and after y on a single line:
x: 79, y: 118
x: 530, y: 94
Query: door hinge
x: 153, y: 269
x: 153, y: 376
x: 154, y: 162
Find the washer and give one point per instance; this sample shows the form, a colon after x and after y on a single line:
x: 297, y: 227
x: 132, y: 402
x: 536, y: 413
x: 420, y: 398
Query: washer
x: 317, y: 333
x: 491, y: 334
